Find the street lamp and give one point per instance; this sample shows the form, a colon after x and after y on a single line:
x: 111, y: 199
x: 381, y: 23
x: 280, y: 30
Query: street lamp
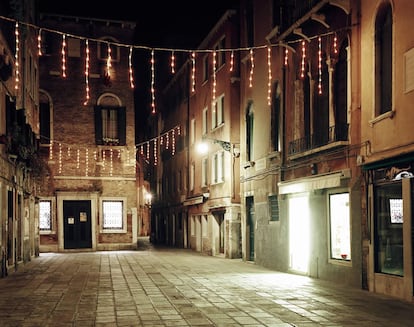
x: 226, y: 146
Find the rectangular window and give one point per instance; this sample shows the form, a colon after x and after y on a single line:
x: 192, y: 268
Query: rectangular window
x: 110, y: 125
x: 192, y: 131
x: 113, y: 215
x: 388, y: 229
x: 221, y: 55
x: 205, y: 68
x: 193, y: 221
x: 217, y: 112
x: 45, y: 215
x: 340, y: 227
x: 218, y: 167
x: 204, y: 168
x: 273, y: 208
x: 192, y: 173
x: 204, y: 225
x: 205, y: 115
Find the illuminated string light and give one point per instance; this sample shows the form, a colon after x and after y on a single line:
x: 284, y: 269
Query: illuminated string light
x: 172, y: 63
x: 319, y: 66
x: 167, y: 141
x: 111, y: 161
x: 251, y: 68
x: 152, y: 82
x: 17, y: 57
x: 173, y: 142
x: 64, y: 55
x: 335, y: 44
x: 155, y: 153
x: 109, y: 61
x: 131, y: 75
x: 148, y: 150
x: 103, y: 159
x: 86, y: 162
x: 39, y: 43
x: 68, y: 152
x: 286, y: 56
x: 60, y: 158
x: 77, y: 158
x: 269, y: 82
x: 302, y: 68
x: 87, y: 73
x: 51, y: 150
x: 214, y: 75
x: 231, y: 60
x: 193, y: 70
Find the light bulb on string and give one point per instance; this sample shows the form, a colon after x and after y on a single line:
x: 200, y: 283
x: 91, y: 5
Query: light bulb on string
x: 39, y: 43
x: 269, y: 82
x: 63, y: 56
x: 17, y: 57
x: 251, y: 68
x: 286, y: 56
x: 173, y: 142
x: 87, y: 73
x: 193, y: 70
x: 51, y: 150
x: 302, y: 68
x: 152, y: 83
x: 131, y: 76
x: 172, y: 63
x: 335, y: 44
x: 214, y: 75
x: 231, y: 60
x: 86, y: 162
x: 155, y: 153
x: 319, y: 65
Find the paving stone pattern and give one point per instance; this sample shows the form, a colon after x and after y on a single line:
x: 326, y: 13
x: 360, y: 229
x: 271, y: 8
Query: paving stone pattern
x: 167, y: 287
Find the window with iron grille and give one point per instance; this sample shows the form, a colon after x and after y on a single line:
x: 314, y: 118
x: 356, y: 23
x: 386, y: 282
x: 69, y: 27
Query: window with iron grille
x: 45, y: 215
x: 113, y: 214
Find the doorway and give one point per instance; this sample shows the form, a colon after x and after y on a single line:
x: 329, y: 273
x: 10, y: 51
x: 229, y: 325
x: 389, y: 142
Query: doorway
x: 251, y: 222
x: 299, y: 223
x: 77, y: 224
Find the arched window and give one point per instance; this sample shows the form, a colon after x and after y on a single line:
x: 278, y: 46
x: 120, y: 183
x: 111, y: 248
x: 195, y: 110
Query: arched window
x: 383, y: 59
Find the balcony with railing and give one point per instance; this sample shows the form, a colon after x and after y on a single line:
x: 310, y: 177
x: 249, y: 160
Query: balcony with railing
x: 334, y: 136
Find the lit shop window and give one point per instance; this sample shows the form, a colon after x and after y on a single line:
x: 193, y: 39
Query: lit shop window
x: 340, y: 228
x: 45, y: 215
x: 113, y: 215
x: 388, y: 229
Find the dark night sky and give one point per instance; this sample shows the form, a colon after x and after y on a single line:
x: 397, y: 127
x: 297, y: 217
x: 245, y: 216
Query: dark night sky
x: 174, y: 24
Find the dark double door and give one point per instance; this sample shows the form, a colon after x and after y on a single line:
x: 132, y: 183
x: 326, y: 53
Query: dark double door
x: 77, y: 224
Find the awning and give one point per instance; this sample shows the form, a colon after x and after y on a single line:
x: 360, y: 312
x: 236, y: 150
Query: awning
x: 312, y: 183
x: 388, y: 162
x: 194, y: 200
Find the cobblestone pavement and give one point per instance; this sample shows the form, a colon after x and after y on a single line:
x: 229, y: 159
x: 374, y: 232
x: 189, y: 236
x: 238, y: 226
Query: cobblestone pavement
x: 167, y: 287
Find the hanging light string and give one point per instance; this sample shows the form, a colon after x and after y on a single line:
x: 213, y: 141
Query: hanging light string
x: 39, y: 43
x: 251, y: 68
x: 63, y: 55
x: 231, y: 60
x: 302, y: 65
x: 119, y: 44
x: 87, y: 73
x: 172, y: 63
x: 17, y: 57
x: 131, y: 76
x: 214, y: 76
x: 109, y: 61
x: 152, y: 82
x: 319, y: 66
x: 269, y: 76
x: 193, y: 71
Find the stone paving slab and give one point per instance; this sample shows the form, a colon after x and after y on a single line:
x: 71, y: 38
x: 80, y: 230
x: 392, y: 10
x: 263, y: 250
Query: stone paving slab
x: 156, y: 287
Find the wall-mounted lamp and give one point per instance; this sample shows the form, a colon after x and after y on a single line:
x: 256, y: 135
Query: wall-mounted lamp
x: 148, y: 199
x: 226, y: 146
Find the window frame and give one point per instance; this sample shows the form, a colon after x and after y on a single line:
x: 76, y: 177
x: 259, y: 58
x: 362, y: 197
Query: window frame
x: 217, y: 167
x: 123, y: 229
x: 338, y: 260
x: 121, y: 125
x: 53, y: 224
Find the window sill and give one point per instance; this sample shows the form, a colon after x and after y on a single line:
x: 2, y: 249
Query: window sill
x: 388, y: 115
x: 113, y: 231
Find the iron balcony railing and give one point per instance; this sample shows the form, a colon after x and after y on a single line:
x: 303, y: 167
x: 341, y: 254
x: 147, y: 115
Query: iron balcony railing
x: 323, y: 137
